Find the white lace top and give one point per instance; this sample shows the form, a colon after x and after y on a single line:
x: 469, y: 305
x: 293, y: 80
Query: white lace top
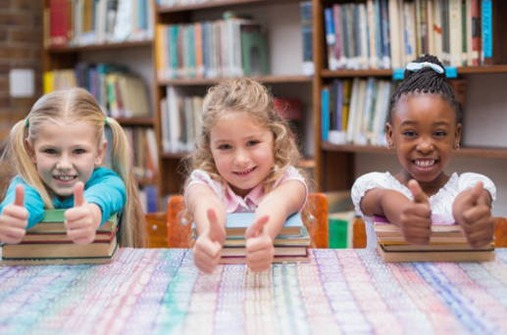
x: 441, y: 202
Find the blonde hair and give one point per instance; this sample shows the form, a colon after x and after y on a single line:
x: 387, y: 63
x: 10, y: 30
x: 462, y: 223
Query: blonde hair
x: 244, y: 95
x: 77, y: 104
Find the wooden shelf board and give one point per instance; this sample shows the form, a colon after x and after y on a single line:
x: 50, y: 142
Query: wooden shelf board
x: 481, y: 152
x: 214, y: 4
x: 270, y: 79
x: 467, y: 70
x: 98, y: 47
x: 136, y: 121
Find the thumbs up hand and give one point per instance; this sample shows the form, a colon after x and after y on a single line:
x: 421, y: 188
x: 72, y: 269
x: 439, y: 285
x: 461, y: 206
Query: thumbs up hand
x: 83, y: 219
x: 415, y: 220
x: 472, y: 210
x: 14, y: 219
x: 209, y: 244
x: 259, y: 246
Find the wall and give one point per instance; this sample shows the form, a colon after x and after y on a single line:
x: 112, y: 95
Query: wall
x: 20, y: 47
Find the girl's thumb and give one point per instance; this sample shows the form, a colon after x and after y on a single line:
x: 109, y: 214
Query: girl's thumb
x: 19, y: 198
x: 78, y: 194
x: 417, y: 192
x: 256, y: 228
x: 216, y: 233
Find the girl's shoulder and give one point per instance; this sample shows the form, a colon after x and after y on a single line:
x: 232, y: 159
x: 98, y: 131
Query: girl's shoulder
x: 199, y: 176
x: 378, y: 179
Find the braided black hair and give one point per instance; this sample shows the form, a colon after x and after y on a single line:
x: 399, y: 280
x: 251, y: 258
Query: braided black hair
x: 426, y: 80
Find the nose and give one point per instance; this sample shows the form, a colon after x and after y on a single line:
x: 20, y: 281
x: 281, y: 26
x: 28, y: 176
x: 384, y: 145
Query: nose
x: 241, y: 157
x: 64, y: 163
x: 425, y: 144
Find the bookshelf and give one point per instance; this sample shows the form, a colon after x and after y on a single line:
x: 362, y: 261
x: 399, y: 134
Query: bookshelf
x: 281, y: 22
x: 80, y: 37
x: 483, y: 151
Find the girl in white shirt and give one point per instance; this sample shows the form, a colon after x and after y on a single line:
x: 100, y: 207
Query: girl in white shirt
x: 424, y: 127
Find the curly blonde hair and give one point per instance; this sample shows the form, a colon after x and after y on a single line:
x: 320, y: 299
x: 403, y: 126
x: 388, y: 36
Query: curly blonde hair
x: 244, y: 95
x: 77, y: 104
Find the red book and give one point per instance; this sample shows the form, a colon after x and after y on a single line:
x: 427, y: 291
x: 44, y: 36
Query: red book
x: 60, y: 22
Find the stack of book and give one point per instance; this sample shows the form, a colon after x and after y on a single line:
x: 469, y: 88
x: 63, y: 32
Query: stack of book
x: 447, y: 243
x: 291, y: 244
x: 47, y: 243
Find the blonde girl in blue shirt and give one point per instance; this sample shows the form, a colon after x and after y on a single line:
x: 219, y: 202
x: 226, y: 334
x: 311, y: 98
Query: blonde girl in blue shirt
x: 57, y: 152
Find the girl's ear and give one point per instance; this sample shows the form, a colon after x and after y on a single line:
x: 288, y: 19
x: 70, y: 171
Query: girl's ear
x: 101, y: 153
x: 30, y: 151
x: 457, y: 136
x: 389, y: 135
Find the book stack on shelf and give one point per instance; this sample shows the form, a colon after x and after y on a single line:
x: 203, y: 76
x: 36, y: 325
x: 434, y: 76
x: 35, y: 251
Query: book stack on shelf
x: 447, y: 244
x: 291, y: 244
x: 47, y: 243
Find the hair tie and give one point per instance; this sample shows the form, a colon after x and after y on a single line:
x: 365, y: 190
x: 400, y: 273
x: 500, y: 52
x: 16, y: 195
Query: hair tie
x: 414, y: 67
x: 27, y: 123
x: 106, y: 123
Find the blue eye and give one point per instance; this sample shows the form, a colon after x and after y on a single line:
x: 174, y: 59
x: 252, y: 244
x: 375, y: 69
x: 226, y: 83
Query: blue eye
x: 252, y: 143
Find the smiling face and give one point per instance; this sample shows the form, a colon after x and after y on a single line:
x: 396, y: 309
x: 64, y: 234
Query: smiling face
x: 242, y: 150
x: 424, y: 132
x: 65, y: 154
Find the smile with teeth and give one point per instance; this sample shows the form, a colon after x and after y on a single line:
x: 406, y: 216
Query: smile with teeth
x: 424, y: 163
x: 245, y: 172
x: 64, y: 178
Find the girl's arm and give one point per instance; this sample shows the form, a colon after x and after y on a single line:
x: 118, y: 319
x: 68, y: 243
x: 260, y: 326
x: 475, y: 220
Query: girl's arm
x: 412, y: 216
x: 286, y: 199
x: 198, y: 199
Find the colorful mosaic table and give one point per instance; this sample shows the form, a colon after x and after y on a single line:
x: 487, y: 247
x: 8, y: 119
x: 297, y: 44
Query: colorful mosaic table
x: 348, y: 291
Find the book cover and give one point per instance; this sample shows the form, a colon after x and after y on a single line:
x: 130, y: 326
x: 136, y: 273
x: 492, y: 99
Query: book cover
x: 237, y: 223
x: 436, y: 256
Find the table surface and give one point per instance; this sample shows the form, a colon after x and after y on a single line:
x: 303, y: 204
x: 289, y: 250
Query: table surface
x: 347, y: 291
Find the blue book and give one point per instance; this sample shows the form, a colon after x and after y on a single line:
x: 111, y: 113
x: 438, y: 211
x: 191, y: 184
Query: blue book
x: 324, y: 113
x: 237, y: 223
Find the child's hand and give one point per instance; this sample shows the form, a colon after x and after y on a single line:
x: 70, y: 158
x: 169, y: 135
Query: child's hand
x: 259, y: 246
x: 416, y: 218
x: 83, y: 219
x: 475, y: 218
x: 208, y: 245
x: 14, y: 219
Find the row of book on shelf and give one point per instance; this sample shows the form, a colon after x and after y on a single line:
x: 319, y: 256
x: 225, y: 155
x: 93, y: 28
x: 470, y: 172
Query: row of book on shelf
x: 354, y: 111
x: 122, y: 93
x: 86, y: 22
x: 390, y: 33
x: 229, y: 47
x: 181, y: 117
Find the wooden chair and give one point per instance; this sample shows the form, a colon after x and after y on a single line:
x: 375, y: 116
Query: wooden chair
x: 314, y: 216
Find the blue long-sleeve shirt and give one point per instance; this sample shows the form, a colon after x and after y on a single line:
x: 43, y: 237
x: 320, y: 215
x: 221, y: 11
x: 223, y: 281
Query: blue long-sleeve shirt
x: 105, y: 188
